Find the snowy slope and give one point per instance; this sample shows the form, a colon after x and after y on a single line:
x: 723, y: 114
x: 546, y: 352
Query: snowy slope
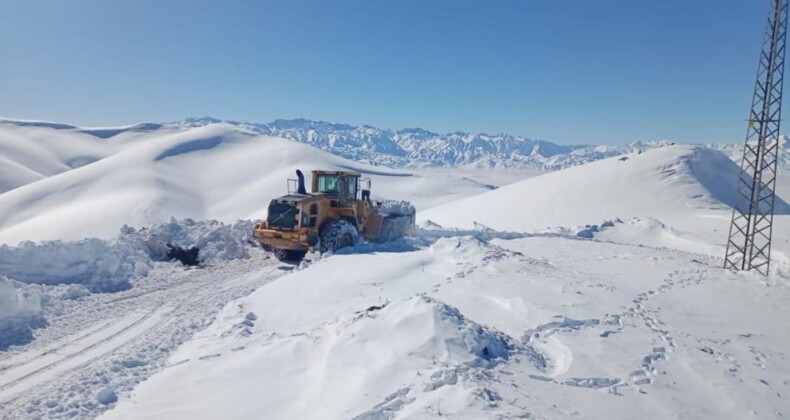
x: 466, y: 328
x: 144, y: 175
x: 30, y: 152
x: 640, y: 322
x: 687, y: 187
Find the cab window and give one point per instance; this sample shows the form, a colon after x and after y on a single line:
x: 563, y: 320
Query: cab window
x: 329, y: 184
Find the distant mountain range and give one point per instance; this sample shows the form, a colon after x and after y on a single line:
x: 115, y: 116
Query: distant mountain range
x: 415, y: 147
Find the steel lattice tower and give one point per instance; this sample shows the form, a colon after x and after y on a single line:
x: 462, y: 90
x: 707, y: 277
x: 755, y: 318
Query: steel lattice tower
x: 749, y: 244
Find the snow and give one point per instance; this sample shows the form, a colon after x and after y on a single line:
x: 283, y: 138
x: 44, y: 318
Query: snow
x: 144, y: 177
x: 691, y: 189
x: 31, y: 153
x: 107, y: 396
x: 72, y: 270
x: 116, y: 340
x: 416, y: 147
x: 19, y: 315
x: 591, y: 292
x: 538, y: 326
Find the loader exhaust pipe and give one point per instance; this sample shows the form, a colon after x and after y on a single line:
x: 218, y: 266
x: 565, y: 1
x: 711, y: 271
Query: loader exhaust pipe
x: 300, y: 189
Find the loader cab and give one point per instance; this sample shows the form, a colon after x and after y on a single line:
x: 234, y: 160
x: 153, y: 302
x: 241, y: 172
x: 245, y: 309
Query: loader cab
x: 344, y: 185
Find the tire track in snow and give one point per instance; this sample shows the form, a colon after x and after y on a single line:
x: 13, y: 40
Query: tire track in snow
x: 61, y: 376
x: 12, y: 362
x: 53, y: 364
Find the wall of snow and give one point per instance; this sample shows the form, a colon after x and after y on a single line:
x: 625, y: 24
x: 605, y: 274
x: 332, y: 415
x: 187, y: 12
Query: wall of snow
x: 33, y: 276
x: 102, y: 266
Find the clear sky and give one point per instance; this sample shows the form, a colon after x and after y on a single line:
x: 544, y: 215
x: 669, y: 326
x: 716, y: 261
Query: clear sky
x: 573, y: 71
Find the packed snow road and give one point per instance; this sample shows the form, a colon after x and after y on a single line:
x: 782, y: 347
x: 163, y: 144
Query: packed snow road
x: 103, y: 344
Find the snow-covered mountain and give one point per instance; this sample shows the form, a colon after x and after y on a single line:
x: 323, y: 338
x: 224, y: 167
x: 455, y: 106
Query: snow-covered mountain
x: 412, y: 147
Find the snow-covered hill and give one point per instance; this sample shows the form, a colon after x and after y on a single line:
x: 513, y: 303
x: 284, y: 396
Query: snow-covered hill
x: 395, y: 148
x: 683, y: 195
x: 410, y: 147
x: 71, y: 183
x: 679, y: 184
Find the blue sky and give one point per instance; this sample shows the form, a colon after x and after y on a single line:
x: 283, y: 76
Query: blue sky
x: 575, y: 71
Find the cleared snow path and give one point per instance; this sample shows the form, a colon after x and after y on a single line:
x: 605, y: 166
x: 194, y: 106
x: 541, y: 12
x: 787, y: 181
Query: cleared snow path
x: 104, y: 344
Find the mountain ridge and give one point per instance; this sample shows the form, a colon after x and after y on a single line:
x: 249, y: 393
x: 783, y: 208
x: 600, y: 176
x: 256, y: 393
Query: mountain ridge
x: 415, y: 147
x: 418, y: 147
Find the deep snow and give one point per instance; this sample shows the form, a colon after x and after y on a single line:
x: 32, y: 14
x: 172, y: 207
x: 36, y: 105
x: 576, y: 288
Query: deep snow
x: 541, y: 327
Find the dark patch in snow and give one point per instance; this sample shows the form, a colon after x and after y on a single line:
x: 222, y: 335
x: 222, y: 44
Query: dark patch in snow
x: 187, y: 256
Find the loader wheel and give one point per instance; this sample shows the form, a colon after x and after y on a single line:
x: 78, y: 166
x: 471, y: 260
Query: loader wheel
x: 338, y: 234
x: 287, y: 255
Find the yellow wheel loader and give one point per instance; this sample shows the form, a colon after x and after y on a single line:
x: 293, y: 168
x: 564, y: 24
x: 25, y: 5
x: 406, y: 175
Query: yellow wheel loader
x: 336, y: 213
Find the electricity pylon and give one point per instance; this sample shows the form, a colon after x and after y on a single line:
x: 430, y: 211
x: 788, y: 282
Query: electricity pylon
x: 749, y: 244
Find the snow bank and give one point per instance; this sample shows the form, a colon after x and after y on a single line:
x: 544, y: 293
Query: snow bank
x: 102, y: 266
x: 34, y: 276
x: 217, y: 241
x: 110, y: 265
x: 20, y: 313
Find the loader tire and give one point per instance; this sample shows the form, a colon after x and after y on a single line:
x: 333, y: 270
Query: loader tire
x: 337, y: 234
